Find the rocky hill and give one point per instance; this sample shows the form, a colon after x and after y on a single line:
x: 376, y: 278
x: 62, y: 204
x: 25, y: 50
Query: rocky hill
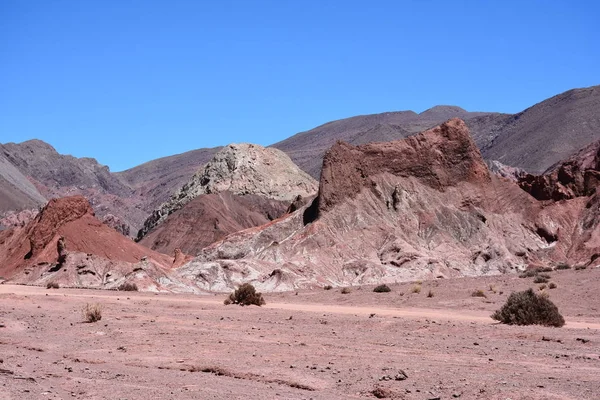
x: 419, y: 208
x: 66, y: 244
x: 209, y: 218
x: 241, y: 169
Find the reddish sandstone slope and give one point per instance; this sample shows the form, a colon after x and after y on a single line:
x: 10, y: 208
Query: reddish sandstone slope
x: 211, y: 217
x: 32, y: 254
x: 424, y: 207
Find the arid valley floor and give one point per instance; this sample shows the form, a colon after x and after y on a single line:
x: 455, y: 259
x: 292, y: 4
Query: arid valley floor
x: 317, y: 344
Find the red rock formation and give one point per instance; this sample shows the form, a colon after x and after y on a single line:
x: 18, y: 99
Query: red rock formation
x: 211, y: 217
x: 577, y: 176
x: 440, y: 157
x: 31, y: 253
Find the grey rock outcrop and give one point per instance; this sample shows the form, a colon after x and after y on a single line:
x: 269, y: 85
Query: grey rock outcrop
x: 241, y: 169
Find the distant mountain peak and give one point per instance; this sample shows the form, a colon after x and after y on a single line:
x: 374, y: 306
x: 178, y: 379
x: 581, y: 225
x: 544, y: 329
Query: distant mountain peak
x: 444, y: 108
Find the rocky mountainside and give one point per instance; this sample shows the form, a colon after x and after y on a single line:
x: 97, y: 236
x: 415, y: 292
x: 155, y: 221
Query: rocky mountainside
x: 209, y: 218
x: 240, y: 169
x: 543, y: 134
x: 533, y: 139
x: 16, y: 191
x: 419, y: 208
x: 155, y: 181
x: 54, y: 175
x: 33, y: 171
x: 66, y: 244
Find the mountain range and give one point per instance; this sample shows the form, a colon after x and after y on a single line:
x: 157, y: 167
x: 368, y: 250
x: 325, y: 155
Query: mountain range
x: 534, y: 140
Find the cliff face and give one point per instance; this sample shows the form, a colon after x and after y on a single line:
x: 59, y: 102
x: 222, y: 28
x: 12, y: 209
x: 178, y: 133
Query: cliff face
x: 240, y: 169
x: 577, y: 176
x: 438, y: 158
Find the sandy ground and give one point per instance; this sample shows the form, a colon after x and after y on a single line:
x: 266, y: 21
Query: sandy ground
x: 311, y: 345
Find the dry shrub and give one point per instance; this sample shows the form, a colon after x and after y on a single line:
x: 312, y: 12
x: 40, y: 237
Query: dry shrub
x: 382, y: 289
x: 478, y: 293
x: 580, y: 267
x: 92, y: 312
x: 327, y: 287
x: 52, y: 285
x: 552, y: 285
x: 245, y: 295
x: 529, y: 273
x: 562, y: 265
x: 416, y: 288
x: 430, y: 293
x: 345, y: 290
x: 540, y: 279
x: 528, y: 308
x: 128, y: 287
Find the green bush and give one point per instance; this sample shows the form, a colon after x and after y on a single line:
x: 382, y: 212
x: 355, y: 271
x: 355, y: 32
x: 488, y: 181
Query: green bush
x: 382, y: 289
x: 245, y: 295
x: 528, y: 308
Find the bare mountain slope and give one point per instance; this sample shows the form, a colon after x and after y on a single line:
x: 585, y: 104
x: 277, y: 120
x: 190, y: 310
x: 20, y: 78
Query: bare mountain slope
x: 54, y: 171
x: 533, y: 139
x: 56, y: 175
x: 16, y: 191
x: 156, y: 180
x: 547, y: 132
x: 306, y: 149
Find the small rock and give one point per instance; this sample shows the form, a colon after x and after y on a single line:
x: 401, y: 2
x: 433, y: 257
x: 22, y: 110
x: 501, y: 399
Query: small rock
x: 401, y: 375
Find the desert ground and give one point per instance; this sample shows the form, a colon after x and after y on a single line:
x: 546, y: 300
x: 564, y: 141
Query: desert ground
x: 311, y: 344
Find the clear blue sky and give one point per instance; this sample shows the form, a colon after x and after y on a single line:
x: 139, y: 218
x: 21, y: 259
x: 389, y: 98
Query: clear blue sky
x: 128, y: 81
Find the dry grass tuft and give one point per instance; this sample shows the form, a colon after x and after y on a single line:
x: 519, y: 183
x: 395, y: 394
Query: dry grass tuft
x: 92, y: 312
